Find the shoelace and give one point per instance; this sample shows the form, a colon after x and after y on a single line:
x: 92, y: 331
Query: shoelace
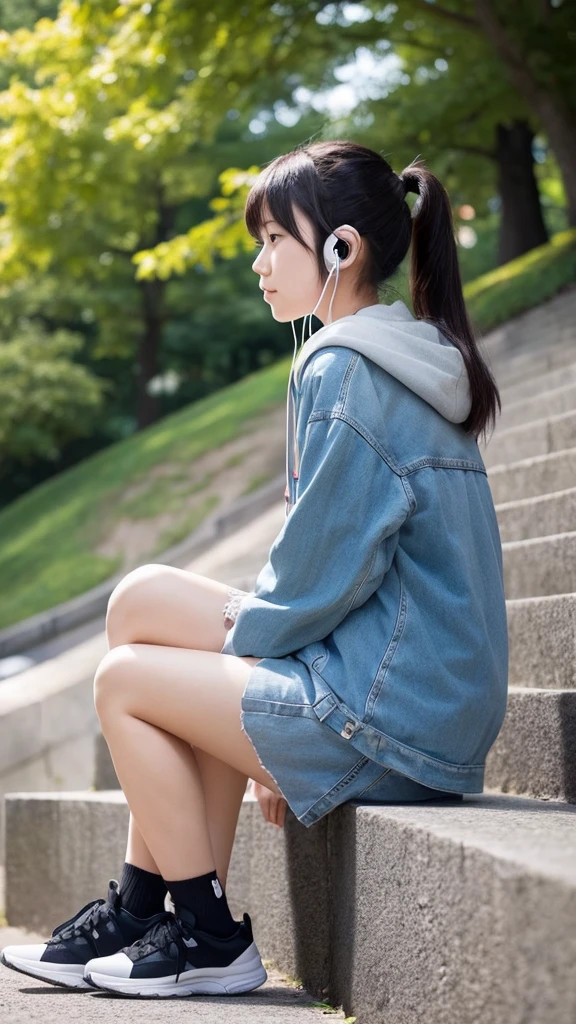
x: 84, y: 922
x: 160, y: 937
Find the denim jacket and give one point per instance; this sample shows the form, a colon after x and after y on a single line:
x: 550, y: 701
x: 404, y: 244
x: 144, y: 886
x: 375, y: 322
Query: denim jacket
x: 385, y: 582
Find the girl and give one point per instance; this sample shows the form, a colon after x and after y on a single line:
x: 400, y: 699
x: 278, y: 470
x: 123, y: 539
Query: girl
x: 370, y: 661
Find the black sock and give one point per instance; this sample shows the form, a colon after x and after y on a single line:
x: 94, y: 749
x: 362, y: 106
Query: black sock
x: 143, y: 892
x: 206, y: 899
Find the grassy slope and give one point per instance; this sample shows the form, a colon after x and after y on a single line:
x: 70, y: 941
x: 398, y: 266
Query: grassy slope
x: 48, y: 537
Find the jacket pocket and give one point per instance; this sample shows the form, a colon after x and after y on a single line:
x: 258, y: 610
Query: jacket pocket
x: 388, y: 654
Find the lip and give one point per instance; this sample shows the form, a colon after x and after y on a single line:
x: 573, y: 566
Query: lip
x: 268, y: 291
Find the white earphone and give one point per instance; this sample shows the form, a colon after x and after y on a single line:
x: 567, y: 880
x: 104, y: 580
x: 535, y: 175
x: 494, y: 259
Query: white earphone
x: 335, y: 250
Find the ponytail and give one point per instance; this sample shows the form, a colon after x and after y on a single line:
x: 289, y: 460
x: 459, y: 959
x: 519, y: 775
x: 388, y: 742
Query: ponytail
x: 436, y: 288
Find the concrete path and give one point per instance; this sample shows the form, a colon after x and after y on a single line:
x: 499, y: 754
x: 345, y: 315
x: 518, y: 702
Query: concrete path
x: 24, y: 1000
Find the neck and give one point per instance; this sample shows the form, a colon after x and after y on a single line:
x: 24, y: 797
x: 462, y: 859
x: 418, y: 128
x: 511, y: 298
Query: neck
x: 345, y: 304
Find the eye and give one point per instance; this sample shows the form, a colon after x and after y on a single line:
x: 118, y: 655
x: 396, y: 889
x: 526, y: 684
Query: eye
x: 259, y: 245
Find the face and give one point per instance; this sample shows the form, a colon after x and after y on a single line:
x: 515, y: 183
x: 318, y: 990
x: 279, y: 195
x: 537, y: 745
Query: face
x: 288, y: 269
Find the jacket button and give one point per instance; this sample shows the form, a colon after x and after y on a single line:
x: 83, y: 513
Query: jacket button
x: 348, y: 730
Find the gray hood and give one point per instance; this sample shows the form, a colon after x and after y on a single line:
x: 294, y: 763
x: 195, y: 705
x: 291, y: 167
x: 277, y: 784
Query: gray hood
x: 413, y: 351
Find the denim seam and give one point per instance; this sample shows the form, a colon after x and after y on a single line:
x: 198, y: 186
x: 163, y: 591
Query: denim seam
x: 418, y: 755
x: 347, y: 778
x: 344, y: 387
x: 437, y: 462
x: 331, y: 414
x: 371, y: 784
x: 409, y: 467
x: 362, y: 581
x: 408, y: 492
x: 391, y: 649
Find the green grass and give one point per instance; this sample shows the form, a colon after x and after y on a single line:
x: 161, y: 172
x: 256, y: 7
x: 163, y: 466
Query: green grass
x: 185, y: 526
x: 258, y: 481
x: 50, y: 535
x: 523, y: 283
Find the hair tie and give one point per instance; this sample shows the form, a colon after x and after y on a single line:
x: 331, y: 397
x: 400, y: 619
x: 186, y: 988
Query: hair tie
x: 410, y: 182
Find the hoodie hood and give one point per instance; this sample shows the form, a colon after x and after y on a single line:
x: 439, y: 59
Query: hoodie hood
x: 413, y: 351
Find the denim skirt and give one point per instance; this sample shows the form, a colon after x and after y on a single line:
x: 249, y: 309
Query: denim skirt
x: 314, y: 767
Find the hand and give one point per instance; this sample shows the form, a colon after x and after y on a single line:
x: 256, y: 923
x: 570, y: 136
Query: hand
x: 273, y: 807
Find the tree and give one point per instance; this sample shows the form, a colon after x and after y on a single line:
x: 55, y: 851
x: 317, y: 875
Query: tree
x: 534, y: 42
x: 104, y: 145
x: 45, y: 398
x: 457, y: 110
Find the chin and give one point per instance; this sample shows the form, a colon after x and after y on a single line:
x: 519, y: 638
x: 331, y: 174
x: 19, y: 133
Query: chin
x: 283, y: 317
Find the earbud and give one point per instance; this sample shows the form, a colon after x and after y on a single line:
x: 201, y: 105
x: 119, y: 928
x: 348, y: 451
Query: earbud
x: 335, y: 250
x: 334, y: 246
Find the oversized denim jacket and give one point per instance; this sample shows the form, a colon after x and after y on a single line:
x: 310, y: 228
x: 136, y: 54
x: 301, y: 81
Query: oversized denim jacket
x: 385, y: 583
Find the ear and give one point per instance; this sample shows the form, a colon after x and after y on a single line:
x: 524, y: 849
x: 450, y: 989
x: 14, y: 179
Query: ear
x: 349, y: 235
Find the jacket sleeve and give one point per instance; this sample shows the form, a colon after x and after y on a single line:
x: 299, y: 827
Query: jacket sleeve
x: 333, y: 549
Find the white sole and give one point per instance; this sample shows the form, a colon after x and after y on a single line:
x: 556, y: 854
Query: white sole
x: 68, y: 975
x: 209, y: 981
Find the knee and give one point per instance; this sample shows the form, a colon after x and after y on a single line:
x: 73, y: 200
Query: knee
x: 129, y: 599
x: 111, y: 677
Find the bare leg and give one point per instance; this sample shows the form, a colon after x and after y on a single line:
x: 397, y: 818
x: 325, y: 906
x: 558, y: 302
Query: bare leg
x: 153, y: 703
x: 136, y: 850
x: 161, y: 604
x: 224, y: 790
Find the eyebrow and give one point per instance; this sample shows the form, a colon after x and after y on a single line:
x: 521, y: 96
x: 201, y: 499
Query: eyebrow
x: 269, y: 222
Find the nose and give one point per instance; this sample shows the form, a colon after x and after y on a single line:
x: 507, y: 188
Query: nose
x: 256, y: 263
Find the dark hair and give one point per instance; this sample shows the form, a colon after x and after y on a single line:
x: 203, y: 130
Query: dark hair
x: 340, y: 182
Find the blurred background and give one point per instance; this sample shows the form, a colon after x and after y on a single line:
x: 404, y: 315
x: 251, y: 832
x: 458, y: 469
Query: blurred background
x: 133, y: 337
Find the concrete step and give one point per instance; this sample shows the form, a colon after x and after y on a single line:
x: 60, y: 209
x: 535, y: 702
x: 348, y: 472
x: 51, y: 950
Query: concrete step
x: 524, y: 442
x: 534, y: 385
x: 529, y: 478
x: 468, y: 911
x: 562, y: 399
x: 532, y: 361
x: 541, y: 639
x: 540, y: 566
x: 535, y: 751
x: 537, y: 517
x: 548, y: 326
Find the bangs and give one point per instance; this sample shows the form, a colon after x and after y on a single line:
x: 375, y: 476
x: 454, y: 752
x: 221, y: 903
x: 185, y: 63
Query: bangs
x: 289, y: 181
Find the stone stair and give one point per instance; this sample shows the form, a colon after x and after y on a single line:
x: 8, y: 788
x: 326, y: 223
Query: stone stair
x: 411, y: 913
x: 531, y: 462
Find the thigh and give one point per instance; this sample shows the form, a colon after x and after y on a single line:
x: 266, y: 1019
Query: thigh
x: 193, y: 694
x: 160, y: 604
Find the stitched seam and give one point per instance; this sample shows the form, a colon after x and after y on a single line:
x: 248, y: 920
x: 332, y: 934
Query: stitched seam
x: 348, y: 777
x: 330, y: 414
x: 345, y: 386
x: 371, y: 784
x: 389, y: 653
x: 363, y: 580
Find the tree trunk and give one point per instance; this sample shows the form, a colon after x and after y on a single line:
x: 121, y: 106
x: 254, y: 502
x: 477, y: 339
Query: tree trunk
x: 522, y: 225
x: 148, y: 406
x: 559, y: 124
x: 558, y: 119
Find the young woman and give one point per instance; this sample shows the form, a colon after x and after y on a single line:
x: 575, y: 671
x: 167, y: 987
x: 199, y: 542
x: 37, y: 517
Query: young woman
x: 370, y: 661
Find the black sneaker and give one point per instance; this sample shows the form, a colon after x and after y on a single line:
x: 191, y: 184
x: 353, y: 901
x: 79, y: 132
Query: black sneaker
x: 100, y: 928
x: 177, y: 959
